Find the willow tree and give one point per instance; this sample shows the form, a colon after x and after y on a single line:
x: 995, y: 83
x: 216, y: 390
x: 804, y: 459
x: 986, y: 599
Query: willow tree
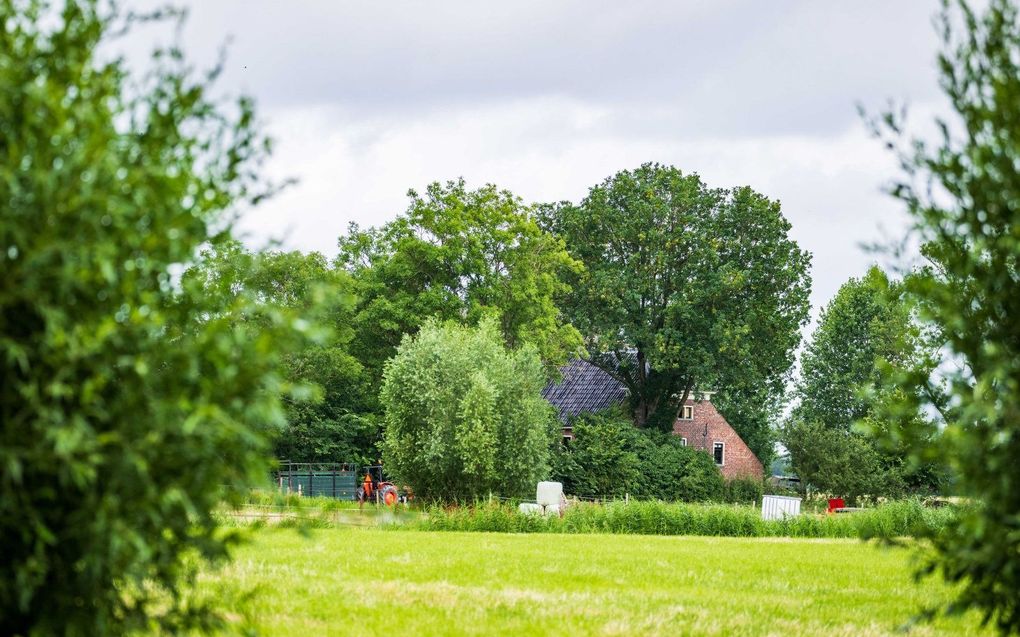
x: 464, y: 415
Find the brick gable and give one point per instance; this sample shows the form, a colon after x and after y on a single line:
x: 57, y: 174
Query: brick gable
x: 708, y: 427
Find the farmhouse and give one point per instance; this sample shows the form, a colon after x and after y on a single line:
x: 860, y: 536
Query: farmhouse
x: 587, y: 389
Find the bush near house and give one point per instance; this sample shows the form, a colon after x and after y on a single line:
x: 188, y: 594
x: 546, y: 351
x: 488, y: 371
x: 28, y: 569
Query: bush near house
x: 608, y: 457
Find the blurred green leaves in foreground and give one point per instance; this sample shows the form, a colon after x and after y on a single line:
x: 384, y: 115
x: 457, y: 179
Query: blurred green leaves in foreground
x: 128, y: 396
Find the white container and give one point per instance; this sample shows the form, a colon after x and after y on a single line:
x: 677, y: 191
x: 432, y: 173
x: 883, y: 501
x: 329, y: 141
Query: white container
x: 530, y: 508
x: 549, y: 493
x: 777, y: 507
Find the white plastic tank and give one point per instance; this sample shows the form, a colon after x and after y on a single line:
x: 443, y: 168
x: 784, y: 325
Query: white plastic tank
x: 777, y: 507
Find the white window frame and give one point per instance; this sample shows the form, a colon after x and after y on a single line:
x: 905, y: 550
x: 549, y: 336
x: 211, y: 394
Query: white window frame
x: 683, y: 442
x: 722, y: 445
x: 687, y: 412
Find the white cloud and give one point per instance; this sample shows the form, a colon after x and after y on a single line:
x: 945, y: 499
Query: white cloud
x: 353, y: 168
x: 367, y: 100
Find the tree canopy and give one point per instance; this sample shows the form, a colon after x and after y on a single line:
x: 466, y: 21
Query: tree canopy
x: 867, y: 321
x: 684, y: 287
x: 338, y: 421
x: 832, y: 433
x: 460, y: 254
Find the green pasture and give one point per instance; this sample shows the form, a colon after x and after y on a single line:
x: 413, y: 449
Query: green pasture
x: 363, y: 581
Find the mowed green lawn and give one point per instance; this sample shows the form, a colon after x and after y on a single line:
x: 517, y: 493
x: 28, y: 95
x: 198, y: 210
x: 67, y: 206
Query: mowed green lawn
x: 379, y: 582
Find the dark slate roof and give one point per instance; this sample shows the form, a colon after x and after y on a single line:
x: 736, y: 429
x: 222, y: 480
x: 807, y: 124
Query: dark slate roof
x: 584, y: 389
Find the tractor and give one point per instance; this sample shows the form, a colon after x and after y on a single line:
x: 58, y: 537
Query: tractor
x: 374, y: 488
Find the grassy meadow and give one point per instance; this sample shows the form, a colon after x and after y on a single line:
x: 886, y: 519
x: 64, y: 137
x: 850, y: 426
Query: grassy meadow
x: 364, y: 581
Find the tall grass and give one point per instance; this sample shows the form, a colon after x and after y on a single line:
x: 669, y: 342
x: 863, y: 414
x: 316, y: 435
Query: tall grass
x: 896, y: 519
x: 271, y: 498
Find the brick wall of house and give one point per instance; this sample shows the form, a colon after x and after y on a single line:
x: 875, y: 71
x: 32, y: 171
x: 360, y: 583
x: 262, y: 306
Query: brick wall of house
x: 738, y: 460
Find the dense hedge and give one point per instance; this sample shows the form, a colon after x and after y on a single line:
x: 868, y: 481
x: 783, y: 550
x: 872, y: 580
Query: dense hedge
x: 895, y: 519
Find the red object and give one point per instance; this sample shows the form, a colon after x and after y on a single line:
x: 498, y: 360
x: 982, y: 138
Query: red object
x: 835, y: 503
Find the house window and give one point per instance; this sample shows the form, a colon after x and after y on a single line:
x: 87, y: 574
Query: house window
x: 687, y: 413
x: 683, y: 441
x: 719, y: 451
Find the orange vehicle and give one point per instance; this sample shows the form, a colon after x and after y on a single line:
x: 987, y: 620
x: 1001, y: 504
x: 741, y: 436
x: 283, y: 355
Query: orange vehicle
x: 375, y: 489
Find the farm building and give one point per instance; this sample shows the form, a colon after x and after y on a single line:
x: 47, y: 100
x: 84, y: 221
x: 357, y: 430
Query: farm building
x: 586, y: 389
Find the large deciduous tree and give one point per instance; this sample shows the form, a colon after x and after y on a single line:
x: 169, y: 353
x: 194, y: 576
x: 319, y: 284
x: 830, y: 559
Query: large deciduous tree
x: 465, y: 415
x: 459, y: 254
x: 963, y: 194
x: 684, y: 287
x: 129, y: 401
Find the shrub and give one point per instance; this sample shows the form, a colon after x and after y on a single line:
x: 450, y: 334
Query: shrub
x: 600, y: 461
x: 744, y: 490
x: 671, y: 471
x: 609, y: 457
x: 127, y: 401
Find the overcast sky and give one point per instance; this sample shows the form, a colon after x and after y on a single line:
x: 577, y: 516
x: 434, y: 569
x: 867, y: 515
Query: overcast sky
x: 368, y: 99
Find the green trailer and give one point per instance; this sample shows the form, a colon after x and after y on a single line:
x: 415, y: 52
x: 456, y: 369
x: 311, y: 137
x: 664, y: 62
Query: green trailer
x: 326, y: 479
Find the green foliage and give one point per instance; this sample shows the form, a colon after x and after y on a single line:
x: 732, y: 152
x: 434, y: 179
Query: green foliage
x: 838, y: 462
x: 459, y: 254
x: 672, y: 471
x: 127, y: 402
x: 340, y: 423
x: 609, y: 458
x: 833, y: 433
x: 464, y: 416
x: 599, y: 461
x: 867, y: 322
x: 704, y: 285
x: 963, y: 196
x: 744, y: 491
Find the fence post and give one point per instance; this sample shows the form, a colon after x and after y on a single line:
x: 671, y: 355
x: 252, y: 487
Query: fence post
x: 626, y: 498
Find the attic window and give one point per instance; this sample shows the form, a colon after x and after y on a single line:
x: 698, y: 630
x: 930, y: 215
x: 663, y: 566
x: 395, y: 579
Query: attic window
x: 687, y: 413
x: 719, y: 451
